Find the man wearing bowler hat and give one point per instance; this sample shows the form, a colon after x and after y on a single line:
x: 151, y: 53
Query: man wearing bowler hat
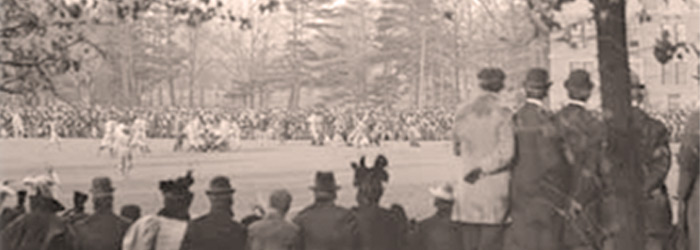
x: 324, y: 225
x: 217, y: 229
x: 539, y: 173
x: 583, y: 136
x: 103, y: 229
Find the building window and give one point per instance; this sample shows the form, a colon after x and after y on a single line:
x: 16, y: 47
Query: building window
x: 680, y: 33
x: 674, y: 101
x: 584, y: 65
x: 634, y: 44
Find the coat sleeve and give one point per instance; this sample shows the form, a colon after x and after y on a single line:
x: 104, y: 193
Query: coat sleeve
x: 659, y: 163
x: 688, y: 157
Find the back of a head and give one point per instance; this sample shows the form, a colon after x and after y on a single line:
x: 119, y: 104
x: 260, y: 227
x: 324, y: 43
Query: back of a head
x: 491, y: 79
x: 132, y: 212
x: 281, y: 200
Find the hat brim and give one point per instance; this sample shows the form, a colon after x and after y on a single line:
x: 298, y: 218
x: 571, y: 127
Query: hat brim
x: 217, y: 192
x: 334, y: 188
x: 437, y: 193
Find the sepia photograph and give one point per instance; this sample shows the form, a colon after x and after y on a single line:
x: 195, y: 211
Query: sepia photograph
x: 349, y: 124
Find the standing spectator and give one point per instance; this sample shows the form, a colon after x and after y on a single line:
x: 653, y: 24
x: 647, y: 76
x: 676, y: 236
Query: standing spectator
x: 583, y: 136
x: 41, y: 228
x: 484, y: 141
x: 273, y: 232
x: 655, y: 160
x: 438, y: 232
x: 539, y: 169
x: 324, y: 225
x: 166, y: 229
x: 102, y: 230
x: 216, y: 230
x: 688, y: 187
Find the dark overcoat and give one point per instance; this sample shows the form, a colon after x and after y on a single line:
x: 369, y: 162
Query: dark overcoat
x: 325, y: 226
x: 654, y: 154
x: 539, y: 177
x: 102, y: 230
x: 583, y: 137
x: 436, y: 233
x: 688, y: 187
x: 215, y: 230
x: 379, y: 228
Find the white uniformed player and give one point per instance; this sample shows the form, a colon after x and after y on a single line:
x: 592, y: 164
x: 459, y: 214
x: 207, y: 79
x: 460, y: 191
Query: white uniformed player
x: 54, y: 138
x: 108, y: 136
x: 139, y: 135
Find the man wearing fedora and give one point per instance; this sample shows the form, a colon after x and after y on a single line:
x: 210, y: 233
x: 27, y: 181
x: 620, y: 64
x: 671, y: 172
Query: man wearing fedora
x: 273, y: 232
x: 324, y: 225
x: 583, y: 137
x: 539, y: 174
x: 165, y: 230
x: 217, y: 229
x: 483, y: 140
x: 103, y: 229
x: 438, y: 232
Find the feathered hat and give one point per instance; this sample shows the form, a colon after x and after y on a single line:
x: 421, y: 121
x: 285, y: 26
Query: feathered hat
x: 179, y: 186
x: 376, y: 173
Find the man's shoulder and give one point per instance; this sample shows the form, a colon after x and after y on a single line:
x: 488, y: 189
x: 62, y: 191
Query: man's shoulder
x: 276, y: 224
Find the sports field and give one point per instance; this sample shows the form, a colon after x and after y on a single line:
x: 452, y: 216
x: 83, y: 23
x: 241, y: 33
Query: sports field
x: 255, y: 170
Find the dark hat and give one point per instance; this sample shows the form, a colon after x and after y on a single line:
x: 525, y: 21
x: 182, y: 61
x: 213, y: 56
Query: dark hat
x: 578, y: 80
x: 491, y: 74
x: 101, y: 187
x: 131, y: 211
x: 220, y: 185
x: 79, y: 198
x: 537, y: 79
x: 325, y: 181
x: 179, y: 186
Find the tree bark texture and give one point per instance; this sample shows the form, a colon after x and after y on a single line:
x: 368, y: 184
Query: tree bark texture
x: 615, y: 85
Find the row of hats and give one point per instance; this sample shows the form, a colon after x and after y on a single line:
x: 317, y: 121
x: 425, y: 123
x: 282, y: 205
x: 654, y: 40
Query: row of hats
x: 538, y: 79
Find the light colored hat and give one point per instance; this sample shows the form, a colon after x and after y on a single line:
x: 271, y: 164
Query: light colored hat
x: 444, y: 191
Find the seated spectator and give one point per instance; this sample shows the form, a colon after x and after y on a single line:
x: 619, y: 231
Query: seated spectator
x: 438, y: 232
x: 78, y: 211
x: 273, y: 232
x: 379, y: 228
x: 102, y: 230
x: 217, y: 229
x: 131, y: 212
x: 41, y: 228
x: 323, y: 224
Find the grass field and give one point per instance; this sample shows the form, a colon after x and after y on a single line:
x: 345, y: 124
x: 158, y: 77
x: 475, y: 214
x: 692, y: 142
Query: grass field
x: 255, y: 171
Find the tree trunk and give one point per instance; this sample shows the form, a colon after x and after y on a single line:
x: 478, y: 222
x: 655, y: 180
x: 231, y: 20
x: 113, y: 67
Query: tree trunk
x: 421, y: 70
x: 615, y: 85
x: 124, y: 65
x: 160, y: 95
x: 201, y: 95
x: 193, y: 63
